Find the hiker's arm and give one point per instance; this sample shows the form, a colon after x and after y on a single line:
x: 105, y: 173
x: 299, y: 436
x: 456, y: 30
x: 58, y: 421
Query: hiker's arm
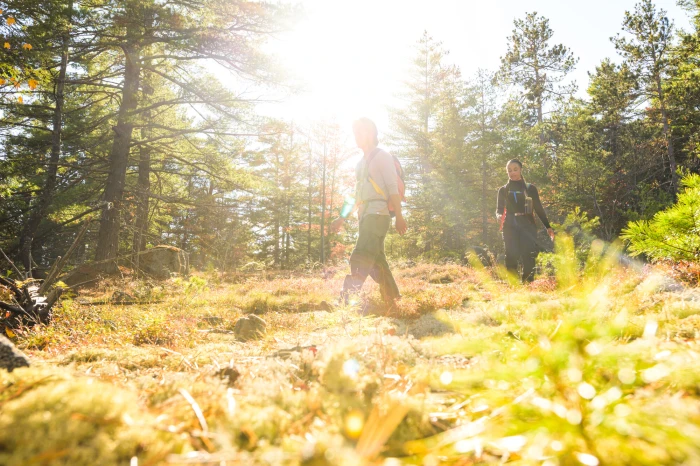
x: 395, y: 201
x: 537, y: 205
x: 338, y: 223
x: 388, y: 171
x: 500, y: 203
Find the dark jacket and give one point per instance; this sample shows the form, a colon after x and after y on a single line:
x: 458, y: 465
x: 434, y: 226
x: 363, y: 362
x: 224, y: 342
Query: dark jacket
x: 511, y: 199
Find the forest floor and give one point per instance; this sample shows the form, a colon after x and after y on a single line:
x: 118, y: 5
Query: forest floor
x: 597, y: 367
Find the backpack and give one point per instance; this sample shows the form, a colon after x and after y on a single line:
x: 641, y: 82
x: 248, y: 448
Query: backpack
x: 528, y: 187
x: 399, y: 181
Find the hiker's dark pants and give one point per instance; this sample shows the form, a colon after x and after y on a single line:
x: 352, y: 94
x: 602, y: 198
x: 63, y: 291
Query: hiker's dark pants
x: 519, y: 236
x: 368, y: 258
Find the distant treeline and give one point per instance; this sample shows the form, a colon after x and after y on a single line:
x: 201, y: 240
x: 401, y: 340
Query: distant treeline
x: 113, y: 111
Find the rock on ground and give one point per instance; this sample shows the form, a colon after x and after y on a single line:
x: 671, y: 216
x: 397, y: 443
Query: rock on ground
x: 83, y: 274
x: 10, y: 357
x: 162, y: 261
x: 250, y: 327
x: 428, y: 325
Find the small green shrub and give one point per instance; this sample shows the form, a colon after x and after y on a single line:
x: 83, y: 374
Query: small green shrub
x: 672, y: 234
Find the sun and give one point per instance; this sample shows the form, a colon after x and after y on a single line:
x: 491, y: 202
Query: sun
x: 341, y: 61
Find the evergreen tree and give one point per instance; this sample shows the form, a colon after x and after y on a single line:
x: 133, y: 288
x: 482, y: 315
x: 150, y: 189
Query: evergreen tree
x: 538, y: 67
x: 646, y: 51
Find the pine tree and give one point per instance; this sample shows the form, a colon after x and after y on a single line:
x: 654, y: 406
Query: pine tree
x: 535, y: 65
x: 672, y: 233
x: 647, y: 54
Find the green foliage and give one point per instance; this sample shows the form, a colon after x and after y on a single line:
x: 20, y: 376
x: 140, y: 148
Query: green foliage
x: 54, y: 418
x: 592, y: 364
x: 673, y: 233
x: 576, y: 233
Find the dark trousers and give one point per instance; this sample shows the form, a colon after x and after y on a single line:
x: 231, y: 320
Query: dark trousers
x: 519, y: 236
x: 368, y: 258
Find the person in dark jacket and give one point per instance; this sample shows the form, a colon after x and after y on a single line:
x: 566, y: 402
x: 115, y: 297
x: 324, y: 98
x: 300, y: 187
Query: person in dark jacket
x: 518, y: 202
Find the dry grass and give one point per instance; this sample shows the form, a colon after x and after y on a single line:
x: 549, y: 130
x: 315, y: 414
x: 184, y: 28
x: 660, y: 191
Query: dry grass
x: 598, y: 366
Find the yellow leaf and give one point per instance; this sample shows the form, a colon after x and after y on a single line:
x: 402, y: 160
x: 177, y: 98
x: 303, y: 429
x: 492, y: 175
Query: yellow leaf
x: 7, y: 45
x: 20, y: 99
x: 27, y: 46
x: 9, y: 332
x: 10, y: 21
x: 2, y: 82
x: 32, y: 83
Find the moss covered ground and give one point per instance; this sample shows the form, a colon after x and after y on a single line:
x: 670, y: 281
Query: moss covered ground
x: 588, y: 367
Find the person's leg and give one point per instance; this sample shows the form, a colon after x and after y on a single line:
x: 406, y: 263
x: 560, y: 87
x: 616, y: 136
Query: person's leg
x: 361, y: 261
x: 510, y: 240
x: 381, y: 273
x: 528, y: 247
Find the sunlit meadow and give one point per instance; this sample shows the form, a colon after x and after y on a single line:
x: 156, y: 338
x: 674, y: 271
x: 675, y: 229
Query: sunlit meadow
x: 595, y: 365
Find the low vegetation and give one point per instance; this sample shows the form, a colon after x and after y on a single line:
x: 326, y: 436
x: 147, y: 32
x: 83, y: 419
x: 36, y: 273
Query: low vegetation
x: 591, y: 367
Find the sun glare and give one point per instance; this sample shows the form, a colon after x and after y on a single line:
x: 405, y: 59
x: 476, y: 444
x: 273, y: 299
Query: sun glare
x: 344, y: 61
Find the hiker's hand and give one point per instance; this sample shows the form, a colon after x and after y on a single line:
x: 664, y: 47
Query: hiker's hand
x: 337, y: 223
x: 401, y: 225
x: 550, y: 232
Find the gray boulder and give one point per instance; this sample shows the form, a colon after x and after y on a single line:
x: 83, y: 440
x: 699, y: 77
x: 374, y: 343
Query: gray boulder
x: 250, y: 327
x: 162, y: 261
x: 10, y: 357
x: 82, y: 275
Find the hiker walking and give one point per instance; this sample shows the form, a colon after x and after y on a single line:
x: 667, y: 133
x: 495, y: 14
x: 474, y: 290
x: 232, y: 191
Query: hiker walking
x: 518, y: 202
x: 378, y: 196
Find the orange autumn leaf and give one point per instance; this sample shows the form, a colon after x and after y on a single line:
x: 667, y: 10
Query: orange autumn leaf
x: 20, y: 99
x: 27, y: 46
x: 2, y: 82
x: 7, y: 45
x: 10, y: 21
x: 32, y: 83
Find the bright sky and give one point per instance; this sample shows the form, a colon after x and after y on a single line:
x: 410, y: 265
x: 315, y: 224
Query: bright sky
x: 353, y: 54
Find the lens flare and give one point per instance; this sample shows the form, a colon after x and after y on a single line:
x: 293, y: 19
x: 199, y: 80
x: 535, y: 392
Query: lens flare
x: 351, y: 368
x: 354, y: 423
x: 446, y: 378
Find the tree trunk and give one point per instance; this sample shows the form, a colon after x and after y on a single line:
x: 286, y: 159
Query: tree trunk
x: 330, y: 207
x: 278, y: 212
x: 539, y: 89
x: 323, y: 208
x: 669, y: 140
x: 108, y: 236
x: 47, y: 193
x: 484, y: 215
x: 143, y: 186
x: 143, y: 192
x: 308, y: 234
x: 287, y: 233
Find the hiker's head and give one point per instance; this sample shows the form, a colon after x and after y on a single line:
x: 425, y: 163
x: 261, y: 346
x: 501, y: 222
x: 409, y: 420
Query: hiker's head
x: 515, y: 169
x: 365, y: 133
